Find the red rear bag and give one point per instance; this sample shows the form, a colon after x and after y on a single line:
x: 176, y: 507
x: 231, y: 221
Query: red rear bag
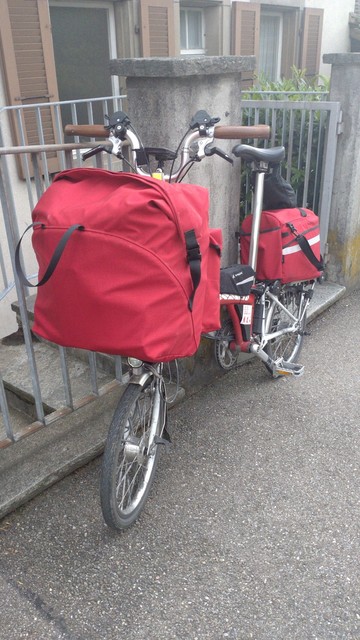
x: 123, y: 284
x: 280, y: 256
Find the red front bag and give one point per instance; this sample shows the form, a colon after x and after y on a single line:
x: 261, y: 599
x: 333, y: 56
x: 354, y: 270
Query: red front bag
x: 130, y: 280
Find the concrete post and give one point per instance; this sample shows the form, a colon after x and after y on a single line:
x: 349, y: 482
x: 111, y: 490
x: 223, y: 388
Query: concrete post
x: 344, y: 227
x: 163, y: 95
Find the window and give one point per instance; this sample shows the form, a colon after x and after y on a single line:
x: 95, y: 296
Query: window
x: 192, y: 31
x: 270, y: 45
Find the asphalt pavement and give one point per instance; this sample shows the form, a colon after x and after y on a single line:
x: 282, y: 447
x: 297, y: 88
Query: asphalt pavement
x: 251, y: 530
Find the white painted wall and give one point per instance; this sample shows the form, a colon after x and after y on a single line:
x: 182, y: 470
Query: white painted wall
x: 7, y: 317
x: 336, y: 35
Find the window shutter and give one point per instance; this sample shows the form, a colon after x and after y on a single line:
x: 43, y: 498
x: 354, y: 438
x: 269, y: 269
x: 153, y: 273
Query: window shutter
x: 289, y: 41
x: 311, y: 41
x: 157, y: 28
x: 29, y: 67
x: 245, y: 32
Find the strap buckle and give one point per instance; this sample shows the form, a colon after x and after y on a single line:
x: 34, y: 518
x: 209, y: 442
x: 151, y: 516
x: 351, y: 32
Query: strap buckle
x: 194, y: 254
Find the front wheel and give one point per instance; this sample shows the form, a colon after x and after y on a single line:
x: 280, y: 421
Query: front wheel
x: 131, y: 453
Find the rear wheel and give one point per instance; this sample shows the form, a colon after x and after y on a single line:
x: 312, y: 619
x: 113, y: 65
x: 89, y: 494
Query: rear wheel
x: 287, y: 346
x: 131, y: 454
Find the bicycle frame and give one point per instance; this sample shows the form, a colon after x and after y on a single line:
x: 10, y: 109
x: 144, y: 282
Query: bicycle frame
x: 251, y: 334
x: 264, y: 334
x: 253, y: 316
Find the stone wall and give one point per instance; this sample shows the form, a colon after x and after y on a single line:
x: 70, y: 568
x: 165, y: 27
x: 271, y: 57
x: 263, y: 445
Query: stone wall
x: 163, y: 95
x: 344, y: 227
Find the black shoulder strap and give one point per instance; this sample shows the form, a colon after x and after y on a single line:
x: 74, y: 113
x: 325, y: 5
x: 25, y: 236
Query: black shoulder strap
x: 306, y: 248
x: 194, y: 259
x: 59, y: 249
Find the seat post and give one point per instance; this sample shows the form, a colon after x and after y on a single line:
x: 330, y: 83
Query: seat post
x: 257, y: 209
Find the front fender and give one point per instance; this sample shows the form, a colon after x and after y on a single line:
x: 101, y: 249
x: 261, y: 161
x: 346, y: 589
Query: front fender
x: 141, y: 379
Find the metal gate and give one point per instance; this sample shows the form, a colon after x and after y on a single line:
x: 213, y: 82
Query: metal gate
x: 308, y: 130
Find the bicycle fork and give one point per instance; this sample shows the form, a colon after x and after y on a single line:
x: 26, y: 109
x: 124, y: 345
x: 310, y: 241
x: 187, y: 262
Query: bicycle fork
x: 144, y: 374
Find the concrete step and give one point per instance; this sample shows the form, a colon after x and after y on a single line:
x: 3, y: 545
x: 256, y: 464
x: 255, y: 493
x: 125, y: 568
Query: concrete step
x: 325, y: 295
x: 17, y: 379
x: 32, y: 464
x: 103, y: 360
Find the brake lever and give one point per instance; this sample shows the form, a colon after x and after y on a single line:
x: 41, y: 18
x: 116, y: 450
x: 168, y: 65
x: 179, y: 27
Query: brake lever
x: 210, y: 151
x: 116, y: 146
x: 93, y: 152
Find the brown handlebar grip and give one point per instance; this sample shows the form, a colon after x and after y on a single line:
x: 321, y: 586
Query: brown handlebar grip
x: 89, y: 130
x: 239, y: 132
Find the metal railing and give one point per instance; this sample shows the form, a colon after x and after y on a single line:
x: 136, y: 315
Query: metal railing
x: 37, y: 168
x: 292, y: 124
x: 27, y: 401
x: 318, y: 95
x: 308, y: 130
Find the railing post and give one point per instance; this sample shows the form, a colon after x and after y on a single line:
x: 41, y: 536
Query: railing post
x: 12, y: 232
x: 344, y: 225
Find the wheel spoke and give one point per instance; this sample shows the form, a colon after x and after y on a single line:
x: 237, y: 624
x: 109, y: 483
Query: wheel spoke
x: 130, y: 458
x: 290, y: 314
x: 127, y: 484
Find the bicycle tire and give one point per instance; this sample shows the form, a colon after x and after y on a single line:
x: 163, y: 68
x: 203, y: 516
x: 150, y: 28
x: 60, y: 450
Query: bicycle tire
x: 289, y: 345
x: 129, y: 463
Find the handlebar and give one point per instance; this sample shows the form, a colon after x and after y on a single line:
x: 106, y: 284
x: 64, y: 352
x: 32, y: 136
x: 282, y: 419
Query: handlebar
x: 87, y: 130
x: 195, y: 144
x: 225, y: 132
x: 240, y: 132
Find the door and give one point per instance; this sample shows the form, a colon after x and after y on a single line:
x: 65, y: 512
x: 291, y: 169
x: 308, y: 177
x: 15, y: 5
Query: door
x: 84, y: 42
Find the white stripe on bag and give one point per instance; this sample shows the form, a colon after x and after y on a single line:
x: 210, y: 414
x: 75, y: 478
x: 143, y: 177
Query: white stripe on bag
x: 297, y: 247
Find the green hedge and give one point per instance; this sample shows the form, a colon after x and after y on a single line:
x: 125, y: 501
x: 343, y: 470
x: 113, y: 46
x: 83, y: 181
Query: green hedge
x: 297, y: 88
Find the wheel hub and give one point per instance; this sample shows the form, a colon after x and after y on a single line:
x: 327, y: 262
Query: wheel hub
x: 136, y: 450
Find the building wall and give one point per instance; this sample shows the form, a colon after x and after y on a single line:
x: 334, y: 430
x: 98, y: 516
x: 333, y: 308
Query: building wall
x: 336, y: 35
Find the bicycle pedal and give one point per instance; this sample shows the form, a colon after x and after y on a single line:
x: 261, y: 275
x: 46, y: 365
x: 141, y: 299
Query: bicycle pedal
x: 288, y: 369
